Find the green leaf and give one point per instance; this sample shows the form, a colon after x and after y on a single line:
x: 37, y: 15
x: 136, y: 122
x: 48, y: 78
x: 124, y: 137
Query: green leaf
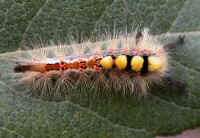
x: 165, y: 111
x: 188, y: 18
x: 24, y: 22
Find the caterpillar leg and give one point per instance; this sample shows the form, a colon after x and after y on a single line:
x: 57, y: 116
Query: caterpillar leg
x: 180, y: 40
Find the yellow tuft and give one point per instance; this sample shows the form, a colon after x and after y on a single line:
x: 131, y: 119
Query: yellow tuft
x: 155, y: 63
x: 107, y: 62
x: 137, y: 63
x: 121, y: 62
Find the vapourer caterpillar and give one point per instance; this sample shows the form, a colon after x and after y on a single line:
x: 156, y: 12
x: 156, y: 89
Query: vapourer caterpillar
x: 125, y: 64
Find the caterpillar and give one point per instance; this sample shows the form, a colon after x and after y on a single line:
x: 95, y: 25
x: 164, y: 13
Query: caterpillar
x: 127, y: 64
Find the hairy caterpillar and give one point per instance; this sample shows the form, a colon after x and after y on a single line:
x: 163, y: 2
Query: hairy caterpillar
x: 126, y: 65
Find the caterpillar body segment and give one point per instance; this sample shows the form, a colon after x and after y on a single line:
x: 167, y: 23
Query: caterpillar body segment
x: 140, y: 61
x: 117, y: 60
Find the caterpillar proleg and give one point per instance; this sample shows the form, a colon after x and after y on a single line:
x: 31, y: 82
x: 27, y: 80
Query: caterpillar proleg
x: 128, y: 65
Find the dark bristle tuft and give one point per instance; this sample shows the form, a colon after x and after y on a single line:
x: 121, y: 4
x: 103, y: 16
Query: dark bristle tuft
x: 145, y: 65
x: 128, y: 67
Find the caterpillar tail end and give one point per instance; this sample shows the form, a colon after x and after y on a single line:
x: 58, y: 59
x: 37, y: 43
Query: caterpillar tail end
x: 35, y: 67
x: 21, y: 68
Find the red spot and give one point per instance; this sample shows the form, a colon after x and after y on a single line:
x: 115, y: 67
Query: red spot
x: 101, y: 75
x: 97, y: 68
x: 136, y: 74
x: 137, y: 51
x: 113, y: 73
x: 148, y: 52
x: 111, y: 50
x: 125, y: 50
x: 124, y: 75
x: 61, y: 56
x: 144, y: 75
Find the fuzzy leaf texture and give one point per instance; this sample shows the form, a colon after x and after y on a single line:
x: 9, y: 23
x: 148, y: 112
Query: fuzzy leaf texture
x: 165, y: 111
